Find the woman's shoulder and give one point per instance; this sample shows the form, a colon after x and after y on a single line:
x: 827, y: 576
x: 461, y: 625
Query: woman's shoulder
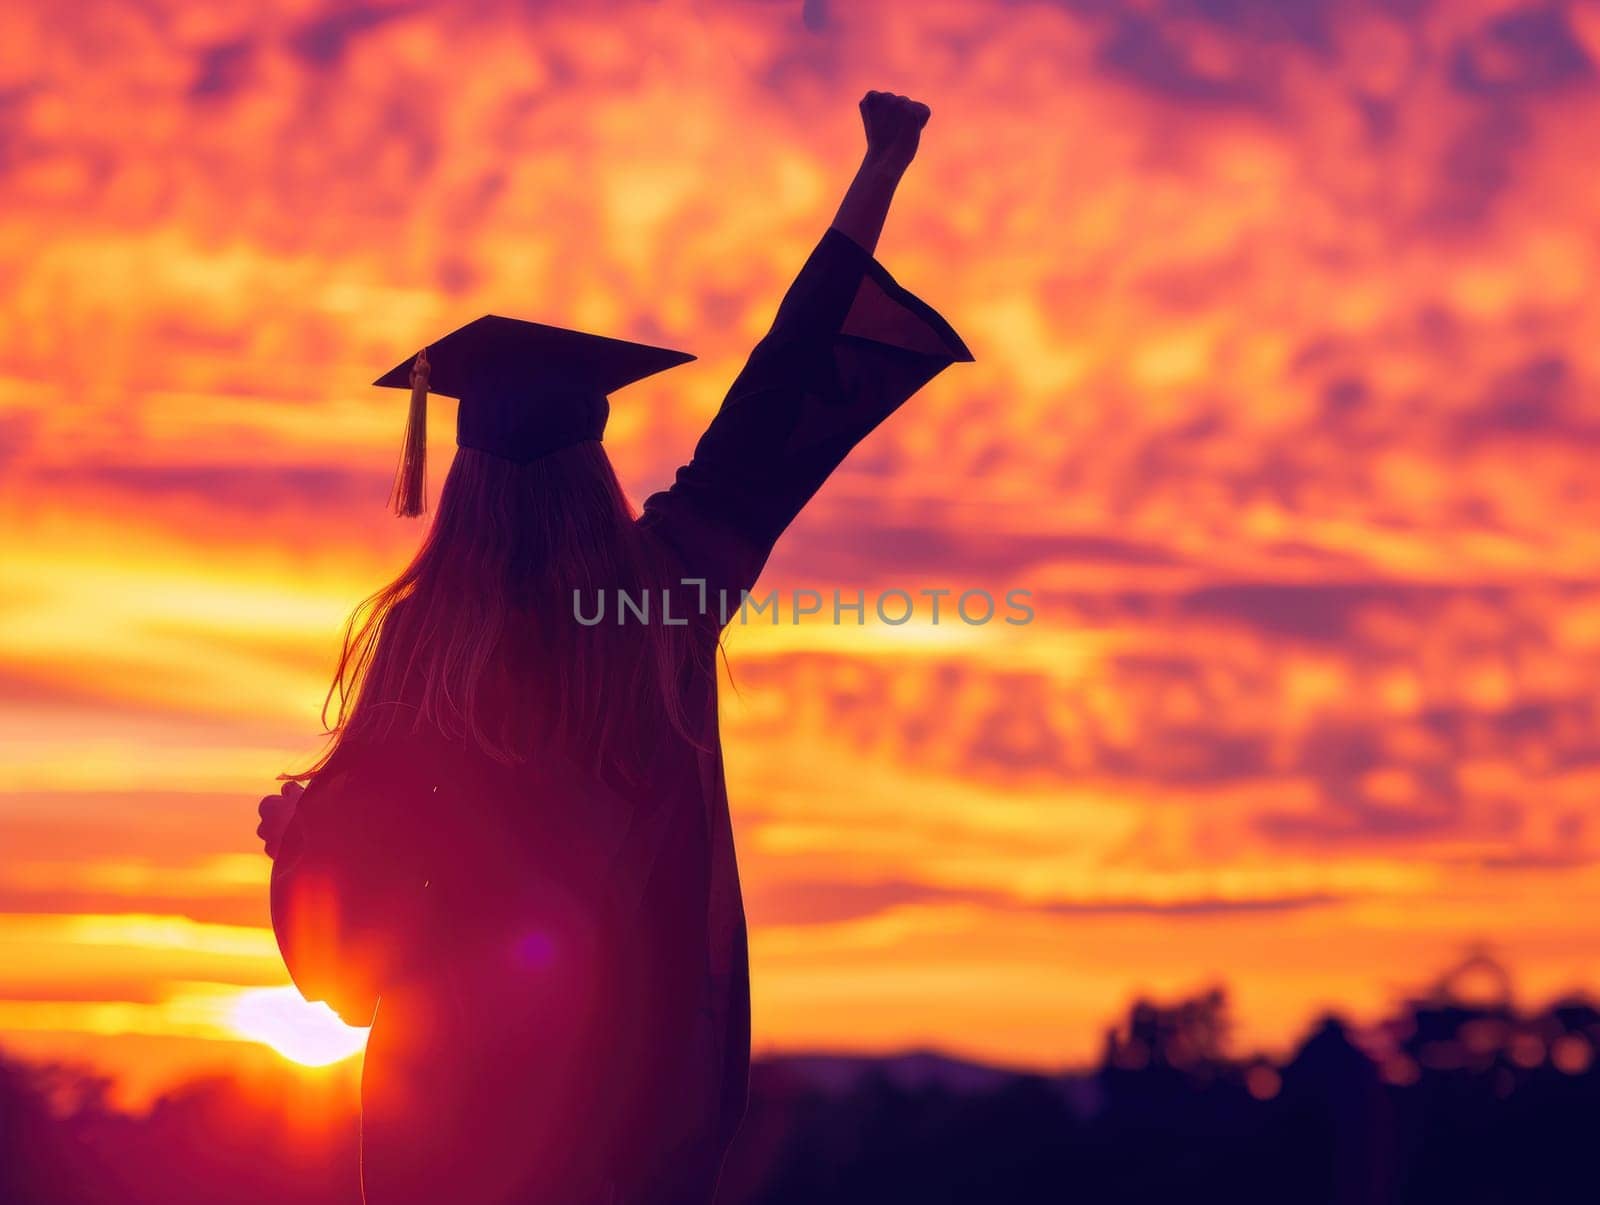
x: 391, y: 755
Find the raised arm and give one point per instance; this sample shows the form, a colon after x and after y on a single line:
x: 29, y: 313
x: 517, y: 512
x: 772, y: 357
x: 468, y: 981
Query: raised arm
x: 894, y: 128
x: 848, y: 346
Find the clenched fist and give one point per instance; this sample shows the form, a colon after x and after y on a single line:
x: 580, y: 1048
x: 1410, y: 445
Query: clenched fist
x: 894, y: 127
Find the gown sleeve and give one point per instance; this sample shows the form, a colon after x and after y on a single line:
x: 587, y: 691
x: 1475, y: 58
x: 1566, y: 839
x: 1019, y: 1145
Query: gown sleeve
x: 849, y: 345
x: 347, y: 887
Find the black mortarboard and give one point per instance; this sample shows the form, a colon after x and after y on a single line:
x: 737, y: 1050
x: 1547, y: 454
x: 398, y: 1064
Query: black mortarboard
x: 526, y: 390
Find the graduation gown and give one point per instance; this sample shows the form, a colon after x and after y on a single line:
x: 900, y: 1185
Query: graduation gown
x: 555, y: 967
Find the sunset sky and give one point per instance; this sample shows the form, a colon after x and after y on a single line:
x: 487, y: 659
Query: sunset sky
x: 1284, y: 407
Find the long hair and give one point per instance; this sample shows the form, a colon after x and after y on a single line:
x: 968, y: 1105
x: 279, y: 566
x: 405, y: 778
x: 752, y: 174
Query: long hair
x: 477, y: 637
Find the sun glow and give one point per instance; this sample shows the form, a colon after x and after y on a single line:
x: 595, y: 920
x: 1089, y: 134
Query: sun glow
x: 308, y: 1034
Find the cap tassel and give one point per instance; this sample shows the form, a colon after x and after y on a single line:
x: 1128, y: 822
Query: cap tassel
x: 409, y: 498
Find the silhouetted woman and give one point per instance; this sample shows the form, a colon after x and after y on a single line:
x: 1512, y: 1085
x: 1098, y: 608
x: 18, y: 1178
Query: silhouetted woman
x: 515, y: 861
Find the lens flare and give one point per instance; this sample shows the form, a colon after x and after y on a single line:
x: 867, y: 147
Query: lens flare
x: 308, y: 1034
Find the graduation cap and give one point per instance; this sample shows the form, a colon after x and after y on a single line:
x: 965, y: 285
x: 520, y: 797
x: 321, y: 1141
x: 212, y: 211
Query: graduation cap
x: 526, y: 390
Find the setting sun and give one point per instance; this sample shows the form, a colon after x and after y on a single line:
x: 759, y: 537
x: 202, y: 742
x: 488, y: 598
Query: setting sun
x: 308, y: 1034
